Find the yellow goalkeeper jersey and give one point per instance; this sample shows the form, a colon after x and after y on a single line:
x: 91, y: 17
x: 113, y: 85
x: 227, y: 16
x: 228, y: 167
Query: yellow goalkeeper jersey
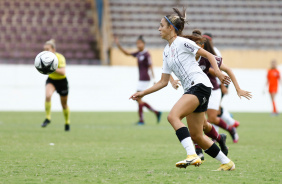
x: 61, y: 64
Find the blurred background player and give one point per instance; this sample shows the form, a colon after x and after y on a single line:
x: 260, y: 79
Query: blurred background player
x: 223, y: 113
x: 273, y: 77
x: 144, y: 65
x: 57, y: 81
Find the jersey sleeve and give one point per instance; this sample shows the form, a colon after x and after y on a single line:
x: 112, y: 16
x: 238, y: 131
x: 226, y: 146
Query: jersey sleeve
x: 149, y: 59
x: 134, y: 54
x: 166, y: 68
x: 218, y: 60
x: 62, y: 61
x: 190, y: 46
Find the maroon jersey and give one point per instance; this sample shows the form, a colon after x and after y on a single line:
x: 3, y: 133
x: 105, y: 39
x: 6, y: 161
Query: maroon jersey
x: 205, y: 65
x: 144, y: 62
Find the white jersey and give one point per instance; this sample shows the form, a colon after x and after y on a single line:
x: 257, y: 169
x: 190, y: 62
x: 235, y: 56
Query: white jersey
x: 217, y: 52
x: 179, y: 58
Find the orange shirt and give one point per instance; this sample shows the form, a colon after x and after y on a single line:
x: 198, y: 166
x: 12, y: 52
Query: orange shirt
x: 273, y: 77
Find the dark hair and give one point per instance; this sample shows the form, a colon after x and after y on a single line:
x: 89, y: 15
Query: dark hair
x: 208, y: 34
x: 178, y: 20
x: 209, y: 47
x: 141, y: 38
x: 196, y: 36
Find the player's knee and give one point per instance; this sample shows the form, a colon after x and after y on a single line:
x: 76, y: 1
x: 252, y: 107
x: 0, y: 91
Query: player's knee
x: 48, y: 97
x: 171, y: 118
x: 212, y: 119
x: 196, y: 137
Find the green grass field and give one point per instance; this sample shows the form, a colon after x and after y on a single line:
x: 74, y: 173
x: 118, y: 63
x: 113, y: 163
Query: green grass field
x: 108, y: 148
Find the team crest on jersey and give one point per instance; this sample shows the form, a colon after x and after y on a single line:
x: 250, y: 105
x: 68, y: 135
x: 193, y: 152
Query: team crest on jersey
x: 141, y: 58
x: 203, y: 67
x: 188, y: 46
x: 172, y: 52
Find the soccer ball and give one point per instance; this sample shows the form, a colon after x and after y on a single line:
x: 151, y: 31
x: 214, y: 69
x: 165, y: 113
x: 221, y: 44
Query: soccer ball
x: 46, y: 62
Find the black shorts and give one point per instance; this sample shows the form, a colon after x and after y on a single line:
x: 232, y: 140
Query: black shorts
x: 203, y: 93
x: 61, y: 86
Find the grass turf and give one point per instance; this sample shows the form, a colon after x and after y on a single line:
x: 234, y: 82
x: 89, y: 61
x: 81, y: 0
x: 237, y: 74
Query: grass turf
x: 107, y: 148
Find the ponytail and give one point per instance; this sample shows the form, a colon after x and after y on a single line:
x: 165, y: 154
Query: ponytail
x: 51, y: 42
x: 177, y: 20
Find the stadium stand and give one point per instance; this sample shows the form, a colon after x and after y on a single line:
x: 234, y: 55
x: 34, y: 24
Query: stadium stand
x: 25, y: 25
x: 241, y: 24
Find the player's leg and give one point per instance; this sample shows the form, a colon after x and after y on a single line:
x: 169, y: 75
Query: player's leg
x: 66, y: 112
x: 211, y: 132
x: 272, y: 96
x: 212, y: 118
x: 226, y: 116
x: 63, y: 90
x: 184, y: 106
x: 140, y: 112
x: 195, y: 123
x: 49, y: 91
x: 157, y: 113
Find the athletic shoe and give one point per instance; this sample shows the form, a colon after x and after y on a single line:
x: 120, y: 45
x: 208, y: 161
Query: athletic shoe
x: 234, y: 135
x: 200, y: 154
x: 227, y: 167
x: 67, y: 127
x: 159, y: 115
x: 140, y: 123
x: 45, y: 123
x: 222, y: 144
x: 190, y: 160
x: 236, y: 124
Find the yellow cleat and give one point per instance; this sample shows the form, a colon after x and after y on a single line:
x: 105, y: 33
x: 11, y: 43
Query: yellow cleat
x: 190, y: 160
x: 227, y: 167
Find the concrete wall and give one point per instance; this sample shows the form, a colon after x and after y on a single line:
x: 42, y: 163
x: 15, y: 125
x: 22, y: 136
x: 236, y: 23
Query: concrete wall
x: 233, y: 58
x: 100, y: 88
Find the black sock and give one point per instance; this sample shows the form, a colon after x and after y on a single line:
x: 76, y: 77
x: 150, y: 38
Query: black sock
x: 213, y: 150
x: 182, y: 133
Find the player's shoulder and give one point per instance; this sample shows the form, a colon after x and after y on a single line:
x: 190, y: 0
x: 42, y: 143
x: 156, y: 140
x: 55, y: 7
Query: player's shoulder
x: 184, y: 40
x: 59, y: 55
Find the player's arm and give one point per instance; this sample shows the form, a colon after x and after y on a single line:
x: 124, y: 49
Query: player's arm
x: 61, y: 71
x: 120, y: 47
x: 240, y: 92
x: 156, y: 87
x: 152, y: 72
x: 175, y: 83
x: 223, y: 78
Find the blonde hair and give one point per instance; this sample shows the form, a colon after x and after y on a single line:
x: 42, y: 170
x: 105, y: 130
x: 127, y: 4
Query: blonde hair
x: 51, y: 42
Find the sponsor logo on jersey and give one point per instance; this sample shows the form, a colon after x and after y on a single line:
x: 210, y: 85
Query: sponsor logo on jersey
x: 141, y: 58
x: 188, y: 46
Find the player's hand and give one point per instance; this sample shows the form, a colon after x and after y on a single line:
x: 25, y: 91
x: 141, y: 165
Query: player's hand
x: 175, y: 84
x: 245, y: 94
x: 137, y: 96
x: 223, y: 78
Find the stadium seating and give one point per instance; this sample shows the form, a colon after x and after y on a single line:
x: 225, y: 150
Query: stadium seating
x: 25, y: 25
x: 234, y: 24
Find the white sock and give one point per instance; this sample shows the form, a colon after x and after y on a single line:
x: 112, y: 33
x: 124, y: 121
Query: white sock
x: 188, y: 145
x: 222, y: 158
x: 227, y: 117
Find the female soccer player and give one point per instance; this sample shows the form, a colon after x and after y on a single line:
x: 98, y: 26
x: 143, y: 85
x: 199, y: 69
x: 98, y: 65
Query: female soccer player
x: 57, y: 81
x: 179, y: 58
x: 215, y: 98
x: 273, y: 77
x: 223, y: 113
x: 144, y: 65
